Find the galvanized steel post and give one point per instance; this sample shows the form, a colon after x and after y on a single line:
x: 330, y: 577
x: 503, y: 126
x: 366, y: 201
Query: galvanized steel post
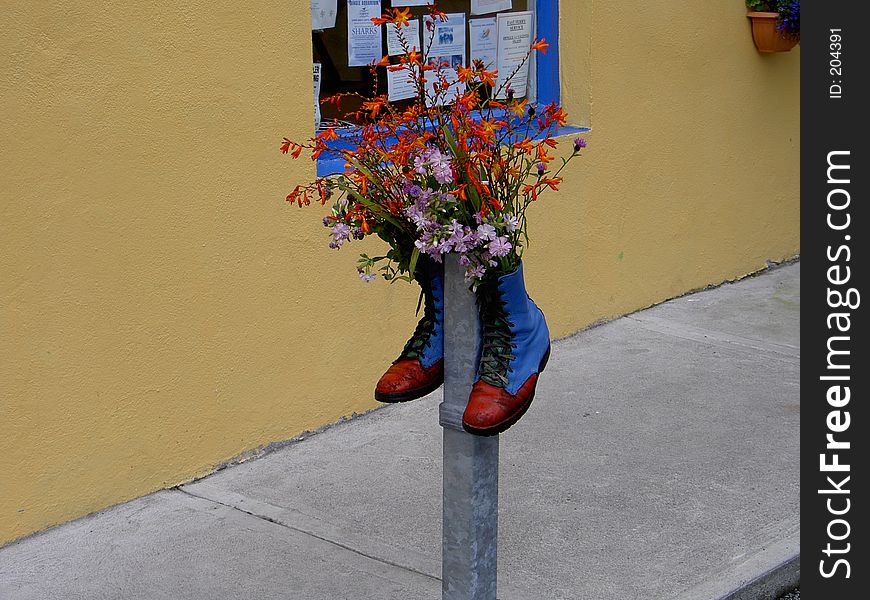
x: 470, y: 479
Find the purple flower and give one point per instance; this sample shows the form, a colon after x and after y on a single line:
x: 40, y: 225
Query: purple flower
x: 486, y: 232
x: 464, y: 261
x: 368, y: 277
x: 340, y: 232
x: 440, y: 165
x: 499, y: 246
x: 444, y: 246
x: 579, y: 144
x: 327, y: 221
x: 416, y: 215
x: 425, y: 247
x: 420, y: 165
x: 442, y: 171
x: 476, y: 272
x: 464, y: 241
x: 541, y: 168
x: 511, y: 222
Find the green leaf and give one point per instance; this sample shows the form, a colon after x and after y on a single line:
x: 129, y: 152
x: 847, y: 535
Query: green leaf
x: 365, y: 172
x: 376, y: 209
x: 451, y: 141
x: 474, y: 197
x: 415, y: 255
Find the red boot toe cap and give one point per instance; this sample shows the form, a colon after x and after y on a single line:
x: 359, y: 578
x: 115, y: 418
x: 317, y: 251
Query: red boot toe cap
x: 407, y: 379
x: 491, y: 409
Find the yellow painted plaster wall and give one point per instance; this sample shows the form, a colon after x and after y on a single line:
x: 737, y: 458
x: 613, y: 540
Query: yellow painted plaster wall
x: 162, y: 310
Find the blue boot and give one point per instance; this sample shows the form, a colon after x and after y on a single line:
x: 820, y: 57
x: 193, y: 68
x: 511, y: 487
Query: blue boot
x: 419, y: 370
x: 515, y: 347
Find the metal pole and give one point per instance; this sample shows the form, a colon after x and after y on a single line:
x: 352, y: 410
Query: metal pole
x: 470, y: 496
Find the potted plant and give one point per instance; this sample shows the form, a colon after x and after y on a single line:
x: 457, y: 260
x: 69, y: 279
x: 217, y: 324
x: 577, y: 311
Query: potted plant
x: 776, y: 24
x: 454, y: 172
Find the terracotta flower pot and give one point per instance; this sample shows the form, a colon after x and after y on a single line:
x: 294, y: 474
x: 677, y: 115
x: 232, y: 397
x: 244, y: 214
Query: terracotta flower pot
x: 765, y: 35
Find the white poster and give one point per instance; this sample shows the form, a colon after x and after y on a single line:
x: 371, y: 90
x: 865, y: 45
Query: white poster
x: 363, y: 36
x: 410, y: 33
x: 482, y: 7
x: 483, y: 35
x: 448, y: 38
x: 514, y: 40
x: 323, y: 14
x: 317, y: 70
x: 412, y: 2
x: 400, y: 85
x: 447, y: 49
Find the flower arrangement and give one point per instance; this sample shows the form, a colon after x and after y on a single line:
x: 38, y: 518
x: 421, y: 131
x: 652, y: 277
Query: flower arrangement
x: 453, y: 171
x: 789, y: 21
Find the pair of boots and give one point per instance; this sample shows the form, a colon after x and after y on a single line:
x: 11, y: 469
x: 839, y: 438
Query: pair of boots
x: 514, y: 348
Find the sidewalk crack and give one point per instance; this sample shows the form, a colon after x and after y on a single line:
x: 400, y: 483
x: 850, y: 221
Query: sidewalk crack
x: 309, y: 533
x: 684, y: 331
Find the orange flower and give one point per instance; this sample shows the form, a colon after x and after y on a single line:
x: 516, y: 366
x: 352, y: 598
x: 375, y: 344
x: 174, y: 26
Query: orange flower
x: 524, y: 145
x: 487, y: 77
x: 401, y: 17
x: 556, y: 113
x: 552, y: 183
x: 437, y: 14
x: 541, y: 46
x: 374, y: 107
x: 518, y: 107
x: 464, y: 74
x: 327, y: 134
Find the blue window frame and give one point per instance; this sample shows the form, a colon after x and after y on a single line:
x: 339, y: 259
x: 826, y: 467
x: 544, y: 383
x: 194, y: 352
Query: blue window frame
x: 547, y: 65
x: 546, y: 68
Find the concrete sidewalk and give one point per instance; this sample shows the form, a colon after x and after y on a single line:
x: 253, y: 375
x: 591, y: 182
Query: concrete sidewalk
x: 659, y: 461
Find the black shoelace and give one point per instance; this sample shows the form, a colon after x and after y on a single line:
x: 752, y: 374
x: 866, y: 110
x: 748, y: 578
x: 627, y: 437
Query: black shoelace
x: 496, y: 340
x: 424, y: 330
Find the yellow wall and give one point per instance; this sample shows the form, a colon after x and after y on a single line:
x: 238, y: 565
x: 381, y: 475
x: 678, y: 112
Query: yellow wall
x: 162, y: 310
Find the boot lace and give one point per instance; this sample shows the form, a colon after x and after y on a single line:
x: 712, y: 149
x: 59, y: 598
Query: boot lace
x: 496, y: 340
x: 424, y: 330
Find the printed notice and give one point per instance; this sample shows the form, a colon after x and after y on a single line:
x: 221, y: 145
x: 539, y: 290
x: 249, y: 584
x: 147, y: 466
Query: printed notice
x: 323, y: 14
x: 410, y: 33
x: 363, y: 36
x: 514, y: 40
x: 317, y: 70
x: 447, y: 39
x: 444, y: 44
x: 483, y: 34
x: 482, y: 7
x: 400, y: 85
